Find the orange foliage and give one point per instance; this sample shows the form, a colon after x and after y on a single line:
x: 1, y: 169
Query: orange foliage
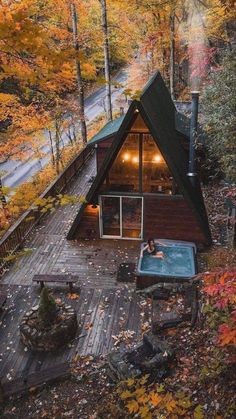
x: 221, y: 288
x: 27, y: 193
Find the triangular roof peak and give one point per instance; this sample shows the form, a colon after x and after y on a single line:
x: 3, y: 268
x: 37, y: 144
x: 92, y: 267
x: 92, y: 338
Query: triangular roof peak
x: 156, y: 89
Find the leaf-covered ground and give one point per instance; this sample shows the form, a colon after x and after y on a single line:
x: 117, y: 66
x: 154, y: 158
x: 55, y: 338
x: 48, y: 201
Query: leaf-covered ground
x: 199, y: 374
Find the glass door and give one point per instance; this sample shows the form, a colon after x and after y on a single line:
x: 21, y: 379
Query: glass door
x: 121, y: 217
x: 110, y: 216
x: 132, y: 217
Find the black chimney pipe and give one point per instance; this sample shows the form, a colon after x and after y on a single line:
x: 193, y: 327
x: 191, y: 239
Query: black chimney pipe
x: 193, y: 137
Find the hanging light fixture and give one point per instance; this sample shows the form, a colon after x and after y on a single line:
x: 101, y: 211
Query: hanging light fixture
x: 126, y: 157
x: 135, y: 159
x: 157, y: 158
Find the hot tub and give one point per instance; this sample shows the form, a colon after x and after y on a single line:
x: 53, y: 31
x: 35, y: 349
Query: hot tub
x: 178, y: 265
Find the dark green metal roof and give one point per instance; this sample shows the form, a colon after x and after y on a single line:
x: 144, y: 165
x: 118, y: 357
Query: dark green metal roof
x: 108, y: 130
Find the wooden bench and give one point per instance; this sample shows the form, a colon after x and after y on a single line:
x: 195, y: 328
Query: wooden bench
x: 3, y: 299
x: 67, y: 279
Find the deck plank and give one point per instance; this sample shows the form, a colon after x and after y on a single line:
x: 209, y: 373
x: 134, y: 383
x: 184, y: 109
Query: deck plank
x: 98, y: 307
x: 102, y: 300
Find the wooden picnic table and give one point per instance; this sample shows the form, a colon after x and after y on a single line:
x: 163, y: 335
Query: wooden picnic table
x: 67, y: 279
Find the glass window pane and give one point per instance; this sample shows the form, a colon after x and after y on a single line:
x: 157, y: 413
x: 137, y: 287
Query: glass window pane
x: 111, y: 216
x: 156, y: 175
x: 131, y: 217
x: 139, y: 124
x: 124, y: 173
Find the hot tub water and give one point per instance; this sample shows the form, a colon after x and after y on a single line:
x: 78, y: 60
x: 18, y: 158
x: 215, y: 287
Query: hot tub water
x: 178, y: 261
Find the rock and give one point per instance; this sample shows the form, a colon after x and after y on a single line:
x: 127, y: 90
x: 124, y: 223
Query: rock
x: 35, y: 308
x: 120, y: 367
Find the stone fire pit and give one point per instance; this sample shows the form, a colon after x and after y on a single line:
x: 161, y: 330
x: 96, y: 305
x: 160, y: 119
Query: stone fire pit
x: 48, y: 326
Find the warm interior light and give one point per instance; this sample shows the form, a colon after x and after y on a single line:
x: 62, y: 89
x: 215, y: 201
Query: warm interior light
x: 135, y: 159
x: 157, y: 158
x: 126, y: 157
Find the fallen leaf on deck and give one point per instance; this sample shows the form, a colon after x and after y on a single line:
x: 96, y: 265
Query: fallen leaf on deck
x: 88, y: 326
x: 73, y: 296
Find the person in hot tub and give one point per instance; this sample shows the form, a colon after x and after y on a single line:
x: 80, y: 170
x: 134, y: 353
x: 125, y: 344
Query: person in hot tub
x: 150, y: 248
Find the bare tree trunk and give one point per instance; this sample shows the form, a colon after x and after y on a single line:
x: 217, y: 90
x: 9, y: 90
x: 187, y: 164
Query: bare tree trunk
x: 51, y: 146
x: 106, y: 60
x: 2, y: 196
x: 4, y: 206
x: 74, y: 133
x: 69, y: 136
x: 57, y: 145
x: 79, y: 76
x: 172, y: 55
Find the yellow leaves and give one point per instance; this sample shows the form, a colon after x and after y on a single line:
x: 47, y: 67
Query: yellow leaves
x: 155, y: 399
x: 82, y: 199
x: 145, y: 413
x: 27, y: 194
x: 170, y: 405
x: 160, y: 388
x: 198, y: 412
x: 133, y: 406
x: 17, y: 255
x: 144, y: 400
x: 144, y: 379
x: 140, y: 392
x: 125, y: 395
x: 130, y: 382
x: 49, y: 203
x: 88, y: 71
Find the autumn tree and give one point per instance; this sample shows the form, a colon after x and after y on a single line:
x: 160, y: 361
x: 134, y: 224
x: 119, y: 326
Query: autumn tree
x: 79, y: 74
x: 106, y: 59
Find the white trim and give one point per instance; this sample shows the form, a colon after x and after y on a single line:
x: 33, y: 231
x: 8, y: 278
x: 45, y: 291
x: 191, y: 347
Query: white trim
x: 103, y: 236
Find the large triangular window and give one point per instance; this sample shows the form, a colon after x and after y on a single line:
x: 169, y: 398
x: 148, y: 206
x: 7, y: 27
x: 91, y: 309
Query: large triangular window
x: 139, y: 166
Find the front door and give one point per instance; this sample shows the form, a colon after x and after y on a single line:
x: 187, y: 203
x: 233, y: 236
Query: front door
x: 121, y: 217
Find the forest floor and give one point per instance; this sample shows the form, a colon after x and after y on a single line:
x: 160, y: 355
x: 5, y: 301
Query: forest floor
x: 200, y: 373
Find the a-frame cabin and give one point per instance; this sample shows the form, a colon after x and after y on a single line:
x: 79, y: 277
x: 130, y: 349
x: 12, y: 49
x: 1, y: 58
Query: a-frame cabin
x: 142, y: 189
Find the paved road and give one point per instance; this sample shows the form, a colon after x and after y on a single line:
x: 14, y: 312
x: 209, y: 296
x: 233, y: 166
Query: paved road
x: 18, y: 172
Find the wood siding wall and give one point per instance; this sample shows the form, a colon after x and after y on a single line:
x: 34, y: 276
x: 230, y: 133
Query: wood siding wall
x: 89, y: 224
x: 102, y: 149
x: 170, y: 217
x: 167, y: 217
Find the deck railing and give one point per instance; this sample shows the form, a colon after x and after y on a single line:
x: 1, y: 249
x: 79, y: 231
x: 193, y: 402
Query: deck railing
x: 15, y: 236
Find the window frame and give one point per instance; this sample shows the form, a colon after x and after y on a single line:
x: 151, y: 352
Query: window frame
x: 102, y: 236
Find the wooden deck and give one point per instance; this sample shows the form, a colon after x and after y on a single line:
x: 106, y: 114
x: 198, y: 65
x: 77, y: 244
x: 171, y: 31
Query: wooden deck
x: 102, y: 313
x: 104, y: 307
x: 94, y: 261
